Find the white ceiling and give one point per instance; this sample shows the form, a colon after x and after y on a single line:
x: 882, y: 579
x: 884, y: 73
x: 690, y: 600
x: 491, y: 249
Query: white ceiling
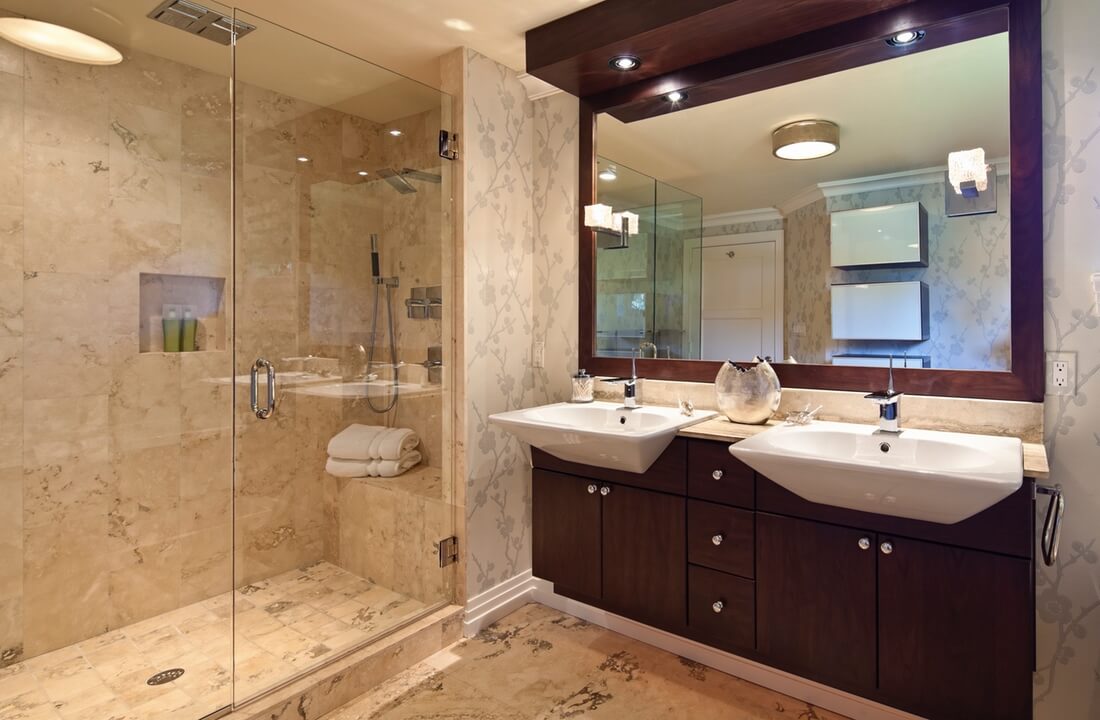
x: 898, y: 115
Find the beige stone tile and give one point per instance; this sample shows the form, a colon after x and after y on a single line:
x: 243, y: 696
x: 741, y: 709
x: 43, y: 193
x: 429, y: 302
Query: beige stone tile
x: 145, y: 163
x: 66, y: 229
x: 11, y: 136
x: 205, y: 225
x: 66, y: 105
x: 65, y: 304
x: 31, y: 705
x: 58, y: 429
x: 140, y: 245
x: 11, y: 56
x: 145, y: 393
x: 62, y: 366
x: 205, y: 405
x: 54, y: 493
x: 11, y: 536
x: 11, y: 632
x: 143, y: 496
x: 11, y: 401
x: 205, y: 567
x: 144, y: 582
x: 11, y: 268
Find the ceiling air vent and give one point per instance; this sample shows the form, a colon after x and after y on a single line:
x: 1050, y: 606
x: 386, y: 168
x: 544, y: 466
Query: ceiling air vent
x: 198, y: 20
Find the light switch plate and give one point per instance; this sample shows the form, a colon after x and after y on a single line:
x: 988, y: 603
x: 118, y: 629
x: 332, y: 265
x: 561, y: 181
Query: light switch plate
x: 1061, y: 373
x: 538, y: 354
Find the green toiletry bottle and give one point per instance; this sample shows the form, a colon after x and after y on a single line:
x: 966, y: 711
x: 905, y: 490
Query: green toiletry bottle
x: 190, y: 324
x: 171, y: 332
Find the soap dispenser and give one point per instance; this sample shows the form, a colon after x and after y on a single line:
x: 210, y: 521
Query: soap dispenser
x: 190, y: 325
x: 171, y: 323
x: 583, y: 385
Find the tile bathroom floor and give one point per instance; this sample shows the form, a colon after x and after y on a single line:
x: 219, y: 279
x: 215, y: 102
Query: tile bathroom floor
x: 285, y: 624
x: 540, y: 663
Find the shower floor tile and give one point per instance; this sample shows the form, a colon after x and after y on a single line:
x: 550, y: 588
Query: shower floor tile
x: 285, y: 625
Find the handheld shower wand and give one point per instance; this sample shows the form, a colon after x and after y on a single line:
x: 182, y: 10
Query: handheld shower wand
x: 387, y: 284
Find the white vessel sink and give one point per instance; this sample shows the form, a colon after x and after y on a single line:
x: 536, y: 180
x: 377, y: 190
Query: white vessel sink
x: 600, y: 433
x: 940, y: 477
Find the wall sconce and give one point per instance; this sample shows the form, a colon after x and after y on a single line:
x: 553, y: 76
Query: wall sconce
x: 612, y: 229
x: 968, y: 173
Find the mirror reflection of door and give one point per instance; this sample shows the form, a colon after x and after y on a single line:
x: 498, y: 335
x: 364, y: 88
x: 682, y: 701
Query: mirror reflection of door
x: 741, y: 309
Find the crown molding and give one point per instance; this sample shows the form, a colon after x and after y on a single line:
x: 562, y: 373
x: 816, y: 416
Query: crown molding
x: 536, y: 88
x: 742, y: 216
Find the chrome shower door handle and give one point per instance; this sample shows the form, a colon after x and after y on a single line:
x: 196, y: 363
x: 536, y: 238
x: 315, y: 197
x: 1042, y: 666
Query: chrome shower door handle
x: 262, y: 413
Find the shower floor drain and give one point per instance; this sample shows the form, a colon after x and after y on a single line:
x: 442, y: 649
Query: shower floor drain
x: 165, y: 676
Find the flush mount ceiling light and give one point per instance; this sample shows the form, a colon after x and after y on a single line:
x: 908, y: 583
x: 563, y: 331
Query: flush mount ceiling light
x: 395, y: 132
x: 609, y: 174
x: 806, y: 140
x: 303, y: 158
x: 905, y: 37
x: 58, y: 42
x: 362, y: 173
x: 676, y: 96
x: 625, y: 63
x: 458, y: 24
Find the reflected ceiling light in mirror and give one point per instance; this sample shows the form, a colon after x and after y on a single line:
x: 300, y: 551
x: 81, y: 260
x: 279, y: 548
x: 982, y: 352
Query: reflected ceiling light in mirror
x: 395, y: 132
x: 458, y: 24
x: 625, y: 63
x: 362, y: 173
x: 58, y: 42
x: 968, y: 173
x: 806, y: 140
x: 302, y: 158
x: 609, y: 174
x: 905, y: 37
x: 676, y: 96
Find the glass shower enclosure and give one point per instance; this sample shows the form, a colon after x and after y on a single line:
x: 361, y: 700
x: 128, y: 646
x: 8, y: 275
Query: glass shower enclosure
x: 215, y: 257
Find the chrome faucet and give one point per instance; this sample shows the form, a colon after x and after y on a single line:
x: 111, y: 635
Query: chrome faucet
x: 647, y: 345
x: 889, y: 404
x: 630, y: 387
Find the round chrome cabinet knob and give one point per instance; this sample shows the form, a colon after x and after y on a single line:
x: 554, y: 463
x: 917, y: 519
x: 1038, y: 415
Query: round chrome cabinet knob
x: 605, y: 491
x: 864, y: 543
x: 886, y: 548
x: 718, y: 606
x: 717, y: 539
x: 717, y: 474
x: 592, y: 489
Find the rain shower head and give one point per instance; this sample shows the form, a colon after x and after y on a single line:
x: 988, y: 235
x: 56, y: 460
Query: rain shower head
x: 421, y: 175
x: 396, y: 181
x: 199, y: 20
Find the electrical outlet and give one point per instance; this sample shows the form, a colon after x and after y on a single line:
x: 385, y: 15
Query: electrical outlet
x: 1062, y: 373
x: 538, y: 354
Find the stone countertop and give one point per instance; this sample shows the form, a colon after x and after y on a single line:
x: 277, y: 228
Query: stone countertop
x: 1035, y: 454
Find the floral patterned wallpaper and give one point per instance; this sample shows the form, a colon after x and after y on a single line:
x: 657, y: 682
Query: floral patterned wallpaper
x: 967, y: 277
x: 1067, y: 684
x: 520, y: 274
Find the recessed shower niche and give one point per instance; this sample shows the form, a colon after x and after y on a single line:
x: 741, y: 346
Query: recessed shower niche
x: 186, y: 297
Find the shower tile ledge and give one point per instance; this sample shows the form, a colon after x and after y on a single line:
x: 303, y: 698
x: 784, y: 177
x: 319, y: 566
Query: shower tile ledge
x: 328, y: 688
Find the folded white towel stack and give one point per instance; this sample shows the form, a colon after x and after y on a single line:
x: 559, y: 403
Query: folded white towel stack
x: 372, y: 468
x: 372, y: 451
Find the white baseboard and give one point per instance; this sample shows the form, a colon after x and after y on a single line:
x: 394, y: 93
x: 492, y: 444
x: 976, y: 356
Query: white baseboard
x: 814, y: 693
x: 486, y: 608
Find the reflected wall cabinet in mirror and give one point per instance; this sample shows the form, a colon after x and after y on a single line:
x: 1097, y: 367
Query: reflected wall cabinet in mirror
x: 866, y: 189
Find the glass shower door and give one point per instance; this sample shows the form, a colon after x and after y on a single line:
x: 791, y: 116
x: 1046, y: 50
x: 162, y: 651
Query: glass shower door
x: 342, y: 480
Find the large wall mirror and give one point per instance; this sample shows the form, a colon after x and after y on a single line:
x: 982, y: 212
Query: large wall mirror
x: 829, y: 223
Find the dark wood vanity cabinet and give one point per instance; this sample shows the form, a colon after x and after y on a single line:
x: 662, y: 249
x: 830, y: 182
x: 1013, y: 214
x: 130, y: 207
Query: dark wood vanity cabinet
x: 934, y: 619
x: 614, y: 545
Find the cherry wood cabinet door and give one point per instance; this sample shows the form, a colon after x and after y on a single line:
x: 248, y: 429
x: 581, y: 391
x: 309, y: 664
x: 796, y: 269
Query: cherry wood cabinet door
x: 955, y: 631
x: 645, y: 556
x: 815, y: 600
x: 566, y: 528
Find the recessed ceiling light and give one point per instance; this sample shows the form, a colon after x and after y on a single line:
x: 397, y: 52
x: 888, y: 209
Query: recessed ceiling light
x: 458, y: 24
x: 395, y: 132
x: 58, y: 42
x: 806, y: 140
x: 625, y: 63
x: 905, y: 37
x: 676, y: 96
x: 303, y: 158
x: 608, y: 174
x: 362, y: 173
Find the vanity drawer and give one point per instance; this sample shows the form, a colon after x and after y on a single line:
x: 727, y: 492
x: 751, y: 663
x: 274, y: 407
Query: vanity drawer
x: 731, y: 624
x: 714, y: 474
x: 666, y: 474
x: 721, y: 537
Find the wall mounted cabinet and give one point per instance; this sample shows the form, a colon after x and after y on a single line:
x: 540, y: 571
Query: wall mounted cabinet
x: 934, y: 619
x: 889, y: 236
x: 880, y: 311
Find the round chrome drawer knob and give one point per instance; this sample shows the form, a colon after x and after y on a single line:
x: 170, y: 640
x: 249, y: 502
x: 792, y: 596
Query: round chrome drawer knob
x: 864, y: 543
x: 886, y: 548
x: 717, y: 474
x: 718, y: 606
x: 605, y: 491
x: 592, y: 489
x: 717, y: 539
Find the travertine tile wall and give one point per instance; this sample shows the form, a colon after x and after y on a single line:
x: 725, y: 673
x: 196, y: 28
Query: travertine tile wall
x: 115, y: 465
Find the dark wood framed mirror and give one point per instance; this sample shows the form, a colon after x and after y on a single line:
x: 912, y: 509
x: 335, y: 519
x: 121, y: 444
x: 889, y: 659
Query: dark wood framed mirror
x: 717, y: 51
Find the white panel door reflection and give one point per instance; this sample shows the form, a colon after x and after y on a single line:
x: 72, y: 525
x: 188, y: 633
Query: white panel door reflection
x: 740, y: 310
